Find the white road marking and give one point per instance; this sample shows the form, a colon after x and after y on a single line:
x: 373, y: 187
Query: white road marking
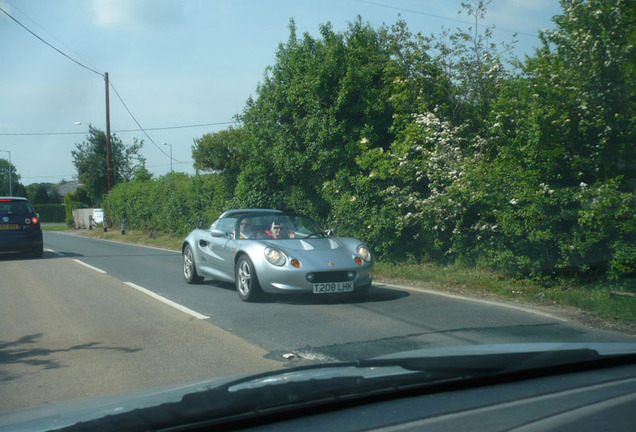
x: 56, y: 253
x: 156, y: 296
x: 89, y: 266
x: 474, y: 300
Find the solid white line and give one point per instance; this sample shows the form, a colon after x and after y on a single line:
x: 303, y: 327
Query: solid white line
x: 156, y: 296
x: 89, y: 266
x: 474, y: 300
x: 56, y: 253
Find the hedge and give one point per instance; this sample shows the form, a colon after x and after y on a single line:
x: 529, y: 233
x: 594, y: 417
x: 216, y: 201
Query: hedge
x: 50, y: 212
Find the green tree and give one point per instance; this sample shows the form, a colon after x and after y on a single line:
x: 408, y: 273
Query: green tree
x: 7, y: 169
x: 309, y: 114
x: 41, y: 195
x: 556, y: 181
x: 474, y: 64
x: 223, y: 152
x: 142, y: 173
x: 21, y: 192
x: 89, y: 159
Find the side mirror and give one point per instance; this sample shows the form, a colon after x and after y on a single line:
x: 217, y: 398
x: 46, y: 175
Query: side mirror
x: 218, y: 233
x: 331, y: 232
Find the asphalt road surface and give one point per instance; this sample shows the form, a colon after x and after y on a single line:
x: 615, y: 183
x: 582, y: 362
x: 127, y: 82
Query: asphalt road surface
x: 95, y: 317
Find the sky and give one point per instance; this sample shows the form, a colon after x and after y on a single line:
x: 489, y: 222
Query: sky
x: 183, y: 68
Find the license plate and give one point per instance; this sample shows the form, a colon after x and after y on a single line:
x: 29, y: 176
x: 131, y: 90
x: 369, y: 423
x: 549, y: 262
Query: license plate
x: 332, y: 287
x: 8, y: 226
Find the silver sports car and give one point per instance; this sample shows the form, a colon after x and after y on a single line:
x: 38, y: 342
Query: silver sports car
x: 275, y: 252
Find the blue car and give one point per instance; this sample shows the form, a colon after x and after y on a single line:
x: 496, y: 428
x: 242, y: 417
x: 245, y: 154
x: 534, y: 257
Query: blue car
x: 20, y: 229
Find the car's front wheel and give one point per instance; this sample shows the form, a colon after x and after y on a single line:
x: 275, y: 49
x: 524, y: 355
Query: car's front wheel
x: 189, y: 267
x: 247, y: 285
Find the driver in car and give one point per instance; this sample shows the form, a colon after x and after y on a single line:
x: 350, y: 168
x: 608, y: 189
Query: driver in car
x: 279, y: 230
x: 245, y: 230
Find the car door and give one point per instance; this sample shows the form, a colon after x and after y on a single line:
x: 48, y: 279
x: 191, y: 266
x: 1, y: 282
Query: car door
x: 217, y: 249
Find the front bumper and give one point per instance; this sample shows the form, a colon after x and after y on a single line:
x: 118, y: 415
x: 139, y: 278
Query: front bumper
x: 291, y: 280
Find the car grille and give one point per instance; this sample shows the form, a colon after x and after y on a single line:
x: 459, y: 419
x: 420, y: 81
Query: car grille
x: 334, y: 276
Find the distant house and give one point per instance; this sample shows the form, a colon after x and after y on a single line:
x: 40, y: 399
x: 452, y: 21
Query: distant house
x: 68, y: 187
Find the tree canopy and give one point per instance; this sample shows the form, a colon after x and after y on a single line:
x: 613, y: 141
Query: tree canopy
x: 90, y: 161
x: 442, y: 147
x: 7, y: 169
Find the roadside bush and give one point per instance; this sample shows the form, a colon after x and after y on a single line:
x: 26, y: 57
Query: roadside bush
x: 51, y: 212
x: 75, y: 200
x: 171, y: 204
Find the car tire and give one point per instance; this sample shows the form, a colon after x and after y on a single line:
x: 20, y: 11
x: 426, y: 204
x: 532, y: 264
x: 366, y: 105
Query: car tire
x: 189, y: 267
x: 247, y: 285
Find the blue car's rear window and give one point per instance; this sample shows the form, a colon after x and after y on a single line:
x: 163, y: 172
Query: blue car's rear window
x: 8, y: 206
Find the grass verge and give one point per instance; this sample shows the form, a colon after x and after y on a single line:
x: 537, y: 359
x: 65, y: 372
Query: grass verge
x: 56, y: 227
x: 601, y: 304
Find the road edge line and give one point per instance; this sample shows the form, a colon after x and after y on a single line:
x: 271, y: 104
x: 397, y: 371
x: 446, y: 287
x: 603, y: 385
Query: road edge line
x: 474, y: 300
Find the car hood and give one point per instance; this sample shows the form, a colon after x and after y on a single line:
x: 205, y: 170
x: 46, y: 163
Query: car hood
x: 215, y: 396
x: 311, y: 244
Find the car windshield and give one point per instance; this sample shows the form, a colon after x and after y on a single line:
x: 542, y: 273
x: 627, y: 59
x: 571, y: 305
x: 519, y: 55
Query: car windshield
x: 201, y: 190
x: 277, y: 227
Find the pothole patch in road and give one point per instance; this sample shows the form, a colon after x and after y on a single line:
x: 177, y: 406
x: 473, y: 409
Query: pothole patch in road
x: 299, y: 358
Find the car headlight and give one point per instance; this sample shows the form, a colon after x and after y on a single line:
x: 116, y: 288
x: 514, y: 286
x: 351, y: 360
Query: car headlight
x: 275, y: 257
x: 364, y: 253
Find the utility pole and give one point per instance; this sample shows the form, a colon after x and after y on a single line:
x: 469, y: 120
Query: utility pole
x: 109, y: 165
x: 166, y: 144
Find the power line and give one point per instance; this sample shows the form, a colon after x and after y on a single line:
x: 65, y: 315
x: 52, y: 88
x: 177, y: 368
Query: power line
x: 118, y: 131
x: 140, y: 127
x: 440, y: 17
x: 50, y: 34
x: 49, y: 45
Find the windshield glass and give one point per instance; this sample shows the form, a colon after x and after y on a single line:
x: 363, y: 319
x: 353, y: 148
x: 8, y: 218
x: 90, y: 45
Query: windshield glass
x: 225, y: 188
x: 277, y: 227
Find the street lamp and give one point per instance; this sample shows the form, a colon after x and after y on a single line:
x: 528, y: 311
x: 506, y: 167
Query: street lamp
x: 166, y: 144
x: 10, y: 185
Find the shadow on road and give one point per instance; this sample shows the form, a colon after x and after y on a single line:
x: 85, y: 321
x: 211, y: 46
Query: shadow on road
x: 29, y: 351
x: 14, y: 256
x: 374, y: 294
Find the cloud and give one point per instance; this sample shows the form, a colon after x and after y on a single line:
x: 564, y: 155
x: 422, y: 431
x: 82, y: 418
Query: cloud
x: 136, y: 14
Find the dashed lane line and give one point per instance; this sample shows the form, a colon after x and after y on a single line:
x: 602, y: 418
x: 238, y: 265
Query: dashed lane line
x: 98, y: 270
x: 154, y: 295
x: 177, y: 306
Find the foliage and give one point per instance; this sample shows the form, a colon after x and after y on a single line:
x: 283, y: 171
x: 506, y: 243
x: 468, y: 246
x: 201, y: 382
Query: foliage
x: 78, y: 199
x: 36, y: 189
x: 51, y: 212
x: 173, y: 203
x: 90, y: 161
x: 436, y: 148
x: 7, y: 169
x: 41, y: 195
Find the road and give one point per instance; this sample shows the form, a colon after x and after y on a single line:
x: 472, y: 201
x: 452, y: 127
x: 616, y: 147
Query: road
x: 95, y: 317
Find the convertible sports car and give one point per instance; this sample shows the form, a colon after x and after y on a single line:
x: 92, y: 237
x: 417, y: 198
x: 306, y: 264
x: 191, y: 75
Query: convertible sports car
x: 275, y: 252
